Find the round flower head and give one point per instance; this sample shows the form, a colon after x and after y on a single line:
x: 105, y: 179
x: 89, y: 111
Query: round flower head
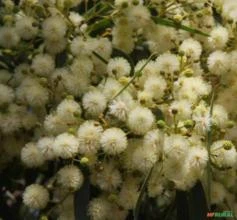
x: 108, y: 179
x: 70, y: 178
x: 110, y: 88
x: 89, y: 135
x: 155, y: 86
x: 191, y: 48
x: 218, y: 62
x: 65, y: 146
x: 8, y: 37
x: 25, y: 27
x: 144, y: 158
x: 183, y: 108
x: 81, y: 46
x: 129, y: 193
x: 168, y: 63
x: 140, y: 120
x: 94, y: 102
x: 219, y: 37
x: 139, y: 16
x: 55, y: 45
x: 36, y: 196
x: 69, y: 111
x: 118, y: 67
x: 223, y: 154
x: 45, y: 145
x: 176, y: 147
x: 43, y: 65
x: 113, y: 141
x: 54, y: 28
x: 98, y: 209
x: 6, y: 94
x: 197, y: 160
x: 31, y: 156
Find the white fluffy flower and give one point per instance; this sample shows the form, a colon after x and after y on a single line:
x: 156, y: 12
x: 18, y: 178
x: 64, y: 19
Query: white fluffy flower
x: 66, y: 146
x: 218, y: 62
x: 140, y: 120
x: 36, y: 196
x: 99, y: 209
x: 70, y: 178
x: 183, y: 107
x: 113, y: 141
x: 197, y: 160
x: 155, y: 86
x: 218, y: 37
x: 191, y: 88
x: 69, y: 111
x: 191, y: 48
x: 219, y: 116
x: 119, y: 109
x: 154, y: 139
x: 89, y: 135
x: 168, y: 63
x: 223, y: 154
x: 31, y: 156
x: 108, y: 179
x: 6, y: 94
x: 129, y: 193
x: 45, y: 145
x: 81, y: 46
x: 94, y: 102
x: 139, y: 16
x: 118, y: 67
x: 144, y: 158
x: 8, y: 37
x: 176, y: 147
x: 43, y: 64
x: 54, y: 28
x: 110, y: 88
x: 25, y: 27
x: 55, y: 44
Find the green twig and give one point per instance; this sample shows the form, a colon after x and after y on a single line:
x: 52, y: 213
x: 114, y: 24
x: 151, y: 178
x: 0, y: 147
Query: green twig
x: 209, y: 142
x: 100, y: 57
x: 136, y: 74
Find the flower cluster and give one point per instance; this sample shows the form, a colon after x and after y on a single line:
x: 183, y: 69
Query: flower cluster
x: 67, y: 99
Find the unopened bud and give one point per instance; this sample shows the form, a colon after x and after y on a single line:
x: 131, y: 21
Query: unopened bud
x: 161, y: 124
x: 189, y: 124
x: 84, y: 160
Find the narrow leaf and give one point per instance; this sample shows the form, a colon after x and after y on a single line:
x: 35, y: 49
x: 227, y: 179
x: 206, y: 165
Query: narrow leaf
x: 170, y: 23
x: 100, y: 26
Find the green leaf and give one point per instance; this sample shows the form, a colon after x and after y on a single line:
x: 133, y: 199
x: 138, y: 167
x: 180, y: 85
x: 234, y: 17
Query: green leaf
x: 99, y: 26
x: 170, y: 23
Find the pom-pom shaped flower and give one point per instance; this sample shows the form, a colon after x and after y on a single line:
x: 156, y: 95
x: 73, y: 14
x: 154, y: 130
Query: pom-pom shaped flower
x: 89, y: 135
x: 36, y: 196
x: 66, y: 146
x: 31, y: 156
x: 94, y: 102
x: 70, y: 178
x: 113, y: 141
x: 118, y: 67
x: 140, y: 120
